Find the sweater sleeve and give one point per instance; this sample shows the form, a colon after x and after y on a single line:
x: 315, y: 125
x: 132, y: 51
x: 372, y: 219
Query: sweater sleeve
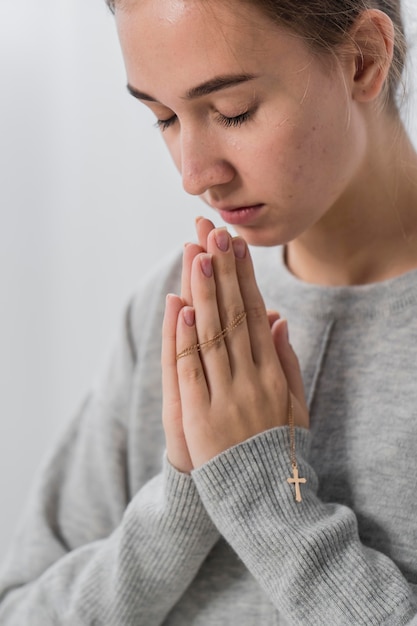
x: 133, y: 576
x: 307, y: 556
x: 90, y: 552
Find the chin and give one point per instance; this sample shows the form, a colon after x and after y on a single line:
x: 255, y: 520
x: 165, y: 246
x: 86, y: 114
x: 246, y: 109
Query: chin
x: 264, y: 238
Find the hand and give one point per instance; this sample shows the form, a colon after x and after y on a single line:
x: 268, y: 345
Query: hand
x: 237, y: 387
x: 204, y: 228
x: 177, y: 450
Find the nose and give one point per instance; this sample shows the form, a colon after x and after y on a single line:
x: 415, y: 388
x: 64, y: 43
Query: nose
x: 203, y: 164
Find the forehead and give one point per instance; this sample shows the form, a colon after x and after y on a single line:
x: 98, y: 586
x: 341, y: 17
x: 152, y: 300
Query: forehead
x: 193, y: 39
x: 200, y: 18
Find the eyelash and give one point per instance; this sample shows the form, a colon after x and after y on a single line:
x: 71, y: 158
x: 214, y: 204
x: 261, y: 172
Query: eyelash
x: 228, y: 122
x: 163, y: 125
x: 236, y: 121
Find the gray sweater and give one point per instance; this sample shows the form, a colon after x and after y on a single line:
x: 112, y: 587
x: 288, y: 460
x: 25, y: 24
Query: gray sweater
x: 114, y: 536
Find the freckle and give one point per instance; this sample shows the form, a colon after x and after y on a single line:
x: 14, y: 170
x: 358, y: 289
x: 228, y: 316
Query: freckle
x: 314, y: 128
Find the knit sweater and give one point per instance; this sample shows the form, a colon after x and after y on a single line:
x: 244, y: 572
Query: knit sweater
x: 113, y: 535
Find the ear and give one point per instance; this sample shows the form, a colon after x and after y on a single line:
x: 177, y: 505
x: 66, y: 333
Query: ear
x: 373, y: 38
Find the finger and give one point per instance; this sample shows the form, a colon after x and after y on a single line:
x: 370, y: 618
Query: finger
x: 258, y: 325
x: 176, y: 446
x: 288, y: 359
x: 190, y: 252
x: 191, y: 377
x: 203, y: 228
x: 171, y: 396
x: 273, y: 316
x: 213, y: 354
x: 229, y: 301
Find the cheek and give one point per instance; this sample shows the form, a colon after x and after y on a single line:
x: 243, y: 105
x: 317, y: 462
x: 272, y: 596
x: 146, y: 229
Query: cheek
x: 305, y: 165
x: 289, y: 155
x: 315, y: 155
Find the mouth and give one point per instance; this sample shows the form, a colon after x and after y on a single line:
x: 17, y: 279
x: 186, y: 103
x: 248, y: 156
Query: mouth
x: 240, y: 215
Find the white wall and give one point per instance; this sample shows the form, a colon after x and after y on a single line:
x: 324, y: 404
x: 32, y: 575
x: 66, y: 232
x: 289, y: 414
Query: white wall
x: 88, y: 200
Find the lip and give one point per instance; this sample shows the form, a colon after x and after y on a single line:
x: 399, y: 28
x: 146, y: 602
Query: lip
x: 240, y: 215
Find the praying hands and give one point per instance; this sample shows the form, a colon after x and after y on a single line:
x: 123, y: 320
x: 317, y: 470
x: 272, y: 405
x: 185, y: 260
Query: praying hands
x: 228, y: 367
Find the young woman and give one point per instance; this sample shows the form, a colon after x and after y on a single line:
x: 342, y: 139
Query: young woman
x: 271, y: 491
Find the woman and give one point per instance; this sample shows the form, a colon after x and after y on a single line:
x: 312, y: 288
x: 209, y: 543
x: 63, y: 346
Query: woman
x: 271, y: 507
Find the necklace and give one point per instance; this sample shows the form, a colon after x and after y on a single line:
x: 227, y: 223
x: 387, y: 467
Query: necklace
x: 294, y: 480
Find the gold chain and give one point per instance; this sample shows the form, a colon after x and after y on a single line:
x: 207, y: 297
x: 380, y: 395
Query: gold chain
x: 197, y: 347
x: 294, y: 480
x: 291, y: 429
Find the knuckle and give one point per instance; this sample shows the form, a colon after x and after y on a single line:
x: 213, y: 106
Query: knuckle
x: 214, y: 344
x: 257, y: 311
x: 193, y: 374
x: 232, y: 311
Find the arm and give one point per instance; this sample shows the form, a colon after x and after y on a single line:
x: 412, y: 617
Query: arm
x: 87, y: 551
x: 307, y: 556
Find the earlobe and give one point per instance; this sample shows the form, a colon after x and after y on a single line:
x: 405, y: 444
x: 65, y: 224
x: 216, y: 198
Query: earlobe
x: 373, y: 37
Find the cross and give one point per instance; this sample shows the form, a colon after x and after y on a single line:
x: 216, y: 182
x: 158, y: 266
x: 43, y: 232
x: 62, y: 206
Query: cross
x: 296, y: 481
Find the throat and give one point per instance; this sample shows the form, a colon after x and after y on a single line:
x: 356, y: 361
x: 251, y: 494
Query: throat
x: 370, y: 234
x: 351, y: 263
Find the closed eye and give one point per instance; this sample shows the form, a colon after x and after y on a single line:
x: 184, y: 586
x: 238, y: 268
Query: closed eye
x: 237, y: 120
x: 165, y: 124
x: 228, y: 122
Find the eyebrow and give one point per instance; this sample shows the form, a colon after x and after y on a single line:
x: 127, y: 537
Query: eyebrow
x: 206, y: 88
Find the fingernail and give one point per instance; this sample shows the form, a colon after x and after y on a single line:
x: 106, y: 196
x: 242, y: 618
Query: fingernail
x: 287, y: 334
x: 189, y: 315
x: 197, y: 219
x: 222, y: 239
x: 239, y: 247
x: 206, y: 265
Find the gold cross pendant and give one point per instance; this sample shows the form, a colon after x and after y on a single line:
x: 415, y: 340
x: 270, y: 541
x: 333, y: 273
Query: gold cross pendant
x: 296, y: 481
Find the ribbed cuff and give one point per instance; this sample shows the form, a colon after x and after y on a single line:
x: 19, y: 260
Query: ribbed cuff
x: 307, y: 556
x: 174, y: 508
x: 254, y: 473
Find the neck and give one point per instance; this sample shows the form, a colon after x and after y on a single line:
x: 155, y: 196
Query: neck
x: 371, y: 233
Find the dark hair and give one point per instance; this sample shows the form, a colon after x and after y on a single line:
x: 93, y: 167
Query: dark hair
x: 325, y: 24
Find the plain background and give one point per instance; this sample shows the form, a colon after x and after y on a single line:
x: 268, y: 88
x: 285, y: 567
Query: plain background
x: 89, y: 200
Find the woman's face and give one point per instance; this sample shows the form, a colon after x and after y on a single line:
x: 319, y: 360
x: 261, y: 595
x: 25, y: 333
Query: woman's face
x: 257, y: 125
